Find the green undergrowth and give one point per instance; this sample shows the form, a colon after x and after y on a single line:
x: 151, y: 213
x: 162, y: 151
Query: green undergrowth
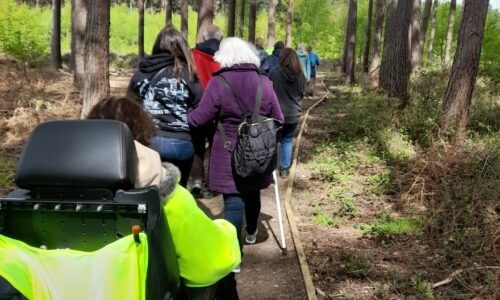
x: 7, y: 167
x: 370, y: 155
x: 350, y: 172
x: 384, y: 227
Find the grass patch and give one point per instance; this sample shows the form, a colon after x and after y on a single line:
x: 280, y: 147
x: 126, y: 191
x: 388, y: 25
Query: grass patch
x: 395, y: 145
x: 347, y: 208
x: 324, y: 219
x: 385, y: 227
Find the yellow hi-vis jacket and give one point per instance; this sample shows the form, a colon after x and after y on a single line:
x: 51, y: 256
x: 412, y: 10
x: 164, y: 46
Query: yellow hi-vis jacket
x: 116, y: 271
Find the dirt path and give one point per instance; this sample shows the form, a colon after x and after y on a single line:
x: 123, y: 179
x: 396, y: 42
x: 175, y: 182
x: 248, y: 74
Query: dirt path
x: 266, y: 273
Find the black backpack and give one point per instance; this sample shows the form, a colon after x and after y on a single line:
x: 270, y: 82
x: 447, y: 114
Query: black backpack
x: 256, y: 149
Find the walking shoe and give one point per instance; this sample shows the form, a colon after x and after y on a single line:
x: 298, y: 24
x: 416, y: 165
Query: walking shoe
x: 251, y: 238
x: 237, y: 269
x: 196, y: 187
x: 284, y: 172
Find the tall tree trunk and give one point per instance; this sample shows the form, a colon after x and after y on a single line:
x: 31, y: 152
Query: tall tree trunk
x: 184, y: 18
x: 78, y: 29
x: 55, y: 38
x: 252, y: 15
x: 205, y: 17
x: 231, y: 17
x: 242, y: 19
x: 377, y: 38
x: 395, y: 67
x: 457, y: 98
x: 425, y: 23
x: 433, y: 30
x: 168, y: 12
x: 350, y: 42
x: 368, y: 37
x: 271, y: 23
x: 449, y: 35
x: 140, y: 39
x: 416, y: 46
x: 289, y: 21
x: 96, y: 54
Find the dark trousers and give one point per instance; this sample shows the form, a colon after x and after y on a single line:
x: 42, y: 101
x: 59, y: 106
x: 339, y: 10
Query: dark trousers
x: 200, y: 136
x: 237, y: 205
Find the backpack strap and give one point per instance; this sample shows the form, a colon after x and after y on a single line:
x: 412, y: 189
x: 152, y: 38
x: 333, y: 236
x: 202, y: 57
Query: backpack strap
x: 256, y: 108
x: 228, y: 88
x: 258, y: 100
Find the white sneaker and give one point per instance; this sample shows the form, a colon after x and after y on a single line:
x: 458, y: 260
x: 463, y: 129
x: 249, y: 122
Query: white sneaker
x: 251, y: 238
x: 237, y: 269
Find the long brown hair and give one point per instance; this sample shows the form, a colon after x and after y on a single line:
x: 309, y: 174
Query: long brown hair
x: 170, y: 40
x: 289, y: 60
x: 128, y: 111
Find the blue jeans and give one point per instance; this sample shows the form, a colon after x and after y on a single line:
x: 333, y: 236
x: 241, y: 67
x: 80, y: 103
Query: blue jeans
x: 235, y: 205
x: 287, y: 133
x: 177, y: 151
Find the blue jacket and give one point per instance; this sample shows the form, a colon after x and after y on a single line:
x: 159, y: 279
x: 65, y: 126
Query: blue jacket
x: 314, y: 59
x: 306, y: 64
x: 271, y: 61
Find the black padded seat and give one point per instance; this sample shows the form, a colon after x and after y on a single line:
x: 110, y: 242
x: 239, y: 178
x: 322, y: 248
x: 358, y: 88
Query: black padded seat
x: 76, y: 181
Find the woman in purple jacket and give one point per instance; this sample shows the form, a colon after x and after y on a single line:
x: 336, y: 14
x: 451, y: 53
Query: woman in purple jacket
x: 240, y: 66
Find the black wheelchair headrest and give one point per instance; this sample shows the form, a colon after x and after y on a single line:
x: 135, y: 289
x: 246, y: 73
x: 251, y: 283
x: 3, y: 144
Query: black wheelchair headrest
x: 78, y: 154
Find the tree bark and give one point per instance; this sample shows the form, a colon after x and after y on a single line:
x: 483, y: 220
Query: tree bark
x: 184, y: 18
x: 377, y: 38
x: 242, y: 18
x: 252, y: 15
x: 424, y: 24
x: 271, y: 23
x: 55, y: 38
x: 140, y: 39
x: 433, y: 30
x: 168, y: 12
x: 395, y: 66
x: 78, y: 26
x: 289, y: 21
x: 231, y: 17
x: 449, y: 35
x: 416, y: 46
x: 350, y: 42
x: 205, y: 17
x: 368, y: 37
x: 96, y: 54
x: 457, y: 98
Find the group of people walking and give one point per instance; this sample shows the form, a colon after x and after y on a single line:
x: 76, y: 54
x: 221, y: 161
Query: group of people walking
x: 188, y: 92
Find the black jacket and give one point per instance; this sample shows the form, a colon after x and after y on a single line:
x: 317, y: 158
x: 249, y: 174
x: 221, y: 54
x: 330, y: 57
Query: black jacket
x: 289, y: 89
x: 166, y: 98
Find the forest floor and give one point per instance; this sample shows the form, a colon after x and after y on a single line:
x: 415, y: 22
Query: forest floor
x: 358, y: 242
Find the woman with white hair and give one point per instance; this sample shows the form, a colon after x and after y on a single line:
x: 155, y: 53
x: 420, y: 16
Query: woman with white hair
x: 238, y: 78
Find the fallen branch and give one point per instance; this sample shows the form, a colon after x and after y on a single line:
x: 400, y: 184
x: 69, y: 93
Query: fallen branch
x: 458, y: 272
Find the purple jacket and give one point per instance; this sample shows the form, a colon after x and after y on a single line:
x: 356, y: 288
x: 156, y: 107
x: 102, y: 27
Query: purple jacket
x: 217, y: 104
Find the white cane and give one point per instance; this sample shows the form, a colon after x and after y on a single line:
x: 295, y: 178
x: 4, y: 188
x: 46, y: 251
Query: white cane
x: 280, y: 219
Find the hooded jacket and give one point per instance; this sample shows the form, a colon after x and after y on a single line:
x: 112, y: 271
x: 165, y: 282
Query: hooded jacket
x: 166, y: 98
x: 289, y: 88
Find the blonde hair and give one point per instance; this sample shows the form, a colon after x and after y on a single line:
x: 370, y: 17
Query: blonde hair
x: 234, y: 51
